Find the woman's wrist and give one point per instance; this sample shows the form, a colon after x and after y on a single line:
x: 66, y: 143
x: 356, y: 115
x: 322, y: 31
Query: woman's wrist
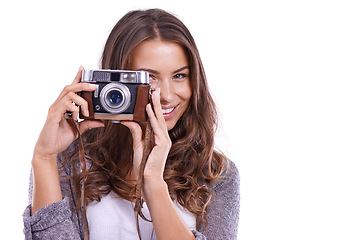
x: 46, y: 183
x: 40, y: 158
x: 167, y: 222
x: 153, y: 186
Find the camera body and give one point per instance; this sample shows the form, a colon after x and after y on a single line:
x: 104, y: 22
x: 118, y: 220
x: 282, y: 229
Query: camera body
x: 119, y: 94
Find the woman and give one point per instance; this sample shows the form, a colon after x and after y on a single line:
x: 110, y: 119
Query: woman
x: 190, y: 190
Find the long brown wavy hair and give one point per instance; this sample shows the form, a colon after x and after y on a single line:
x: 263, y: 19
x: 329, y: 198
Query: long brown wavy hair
x: 192, y: 162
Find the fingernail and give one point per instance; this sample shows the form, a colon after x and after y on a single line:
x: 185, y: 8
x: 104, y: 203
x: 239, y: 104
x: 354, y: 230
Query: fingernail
x: 92, y: 85
x: 86, y: 113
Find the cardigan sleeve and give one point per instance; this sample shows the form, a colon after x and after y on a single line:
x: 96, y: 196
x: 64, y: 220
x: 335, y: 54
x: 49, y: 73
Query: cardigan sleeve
x: 58, y: 220
x: 224, y: 208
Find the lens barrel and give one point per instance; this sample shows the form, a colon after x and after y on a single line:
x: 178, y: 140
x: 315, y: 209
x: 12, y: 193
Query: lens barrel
x: 115, y: 97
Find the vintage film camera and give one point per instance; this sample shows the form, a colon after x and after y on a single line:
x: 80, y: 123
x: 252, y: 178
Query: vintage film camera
x: 119, y: 94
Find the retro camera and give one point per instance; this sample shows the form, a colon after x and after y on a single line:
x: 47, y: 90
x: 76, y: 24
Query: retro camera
x: 119, y: 94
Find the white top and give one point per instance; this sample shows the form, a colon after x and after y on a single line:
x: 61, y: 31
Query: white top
x: 114, y: 218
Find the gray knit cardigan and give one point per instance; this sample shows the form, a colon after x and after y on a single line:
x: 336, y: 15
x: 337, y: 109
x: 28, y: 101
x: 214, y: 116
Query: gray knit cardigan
x: 61, y: 220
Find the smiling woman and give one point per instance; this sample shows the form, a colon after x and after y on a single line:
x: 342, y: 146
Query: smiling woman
x: 168, y: 67
x: 190, y: 190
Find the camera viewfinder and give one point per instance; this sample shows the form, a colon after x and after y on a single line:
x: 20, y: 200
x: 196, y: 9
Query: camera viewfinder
x: 115, y: 76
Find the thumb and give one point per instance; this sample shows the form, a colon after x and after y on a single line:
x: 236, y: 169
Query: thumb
x: 136, y: 132
x: 87, y: 124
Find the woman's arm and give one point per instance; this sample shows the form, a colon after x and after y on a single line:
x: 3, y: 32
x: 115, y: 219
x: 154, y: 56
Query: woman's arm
x: 49, y: 211
x: 168, y: 224
x: 57, y: 135
x: 58, y: 220
x: 46, y: 184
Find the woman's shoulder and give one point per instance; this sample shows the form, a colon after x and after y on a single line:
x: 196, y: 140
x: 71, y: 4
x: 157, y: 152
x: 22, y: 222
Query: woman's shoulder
x: 229, y: 181
x: 224, y: 208
x: 231, y: 171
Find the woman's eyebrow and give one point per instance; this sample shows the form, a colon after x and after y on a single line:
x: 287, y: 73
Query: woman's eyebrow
x: 181, y: 69
x: 157, y: 72
x: 148, y: 70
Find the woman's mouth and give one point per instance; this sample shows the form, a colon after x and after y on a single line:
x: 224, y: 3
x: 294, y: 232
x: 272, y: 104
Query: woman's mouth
x: 169, y: 112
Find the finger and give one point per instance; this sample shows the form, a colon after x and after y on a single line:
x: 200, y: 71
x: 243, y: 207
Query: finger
x: 78, y: 87
x: 78, y: 76
x: 136, y: 132
x: 157, y: 109
x: 155, y: 97
x: 77, y: 79
x: 155, y: 124
x: 69, y: 102
x: 75, y: 87
x: 80, y: 102
x: 76, y: 101
x: 59, y: 108
x: 74, y: 111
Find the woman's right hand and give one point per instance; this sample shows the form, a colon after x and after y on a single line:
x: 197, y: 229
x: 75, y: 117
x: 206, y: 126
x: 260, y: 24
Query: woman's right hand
x: 57, y: 133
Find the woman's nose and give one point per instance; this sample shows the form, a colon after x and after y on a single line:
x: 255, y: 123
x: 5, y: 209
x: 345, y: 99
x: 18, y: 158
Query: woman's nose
x: 166, y: 92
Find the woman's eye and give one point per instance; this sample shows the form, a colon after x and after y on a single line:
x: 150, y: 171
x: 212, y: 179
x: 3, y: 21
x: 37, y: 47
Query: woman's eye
x: 180, y: 76
x: 152, y: 78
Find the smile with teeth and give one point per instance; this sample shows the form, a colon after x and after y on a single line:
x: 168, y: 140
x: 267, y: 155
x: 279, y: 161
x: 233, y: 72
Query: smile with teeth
x: 167, y: 111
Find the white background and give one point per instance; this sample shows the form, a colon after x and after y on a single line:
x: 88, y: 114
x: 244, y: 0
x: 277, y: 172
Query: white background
x: 285, y: 75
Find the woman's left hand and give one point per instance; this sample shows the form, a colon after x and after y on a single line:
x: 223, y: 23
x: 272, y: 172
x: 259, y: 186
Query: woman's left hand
x: 156, y: 161
x: 166, y: 220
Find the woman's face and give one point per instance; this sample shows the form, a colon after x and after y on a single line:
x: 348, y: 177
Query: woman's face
x: 169, y: 71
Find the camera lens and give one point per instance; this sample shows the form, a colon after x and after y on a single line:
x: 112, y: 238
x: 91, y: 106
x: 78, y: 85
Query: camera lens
x: 115, y: 98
